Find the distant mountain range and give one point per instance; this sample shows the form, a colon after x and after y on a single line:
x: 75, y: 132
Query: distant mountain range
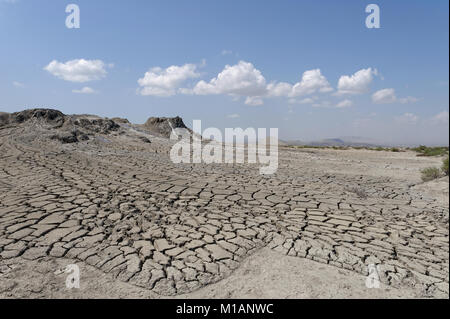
x: 354, y: 141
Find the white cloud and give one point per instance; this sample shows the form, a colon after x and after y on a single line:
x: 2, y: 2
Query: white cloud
x: 408, y: 118
x: 254, y: 100
x: 441, y: 118
x: 279, y: 89
x: 79, y: 70
x: 386, y: 96
x: 242, y: 79
x: 85, y: 90
x: 344, y: 103
x: 234, y: 116
x: 186, y: 91
x: 312, y: 81
x: 165, y: 82
x: 227, y: 52
x: 357, y: 83
x: 18, y: 84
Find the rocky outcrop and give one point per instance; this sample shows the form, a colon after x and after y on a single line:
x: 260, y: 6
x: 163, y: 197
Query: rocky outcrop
x: 73, y: 136
x: 121, y: 120
x: 103, y: 126
x: 163, y: 126
x: 44, y: 116
x: 77, y: 129
x: 55, y: 125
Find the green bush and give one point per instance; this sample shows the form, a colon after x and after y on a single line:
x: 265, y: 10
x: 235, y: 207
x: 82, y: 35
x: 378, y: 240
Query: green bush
x: 430, y: 151
x: 445, y: 166
x: 430, y: 173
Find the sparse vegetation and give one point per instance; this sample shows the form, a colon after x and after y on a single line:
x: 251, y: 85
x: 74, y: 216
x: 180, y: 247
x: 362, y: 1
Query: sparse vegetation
x: 421, y: 150
x: 430, y: 173
x: 445, y: 166
x: 340, y: 148
x: 430, y: 151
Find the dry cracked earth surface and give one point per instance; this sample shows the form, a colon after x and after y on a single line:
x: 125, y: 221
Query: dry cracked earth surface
x: 103, y: 194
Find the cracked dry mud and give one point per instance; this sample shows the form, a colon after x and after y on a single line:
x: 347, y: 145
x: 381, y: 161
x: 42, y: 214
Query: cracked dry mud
x: 119, y: 205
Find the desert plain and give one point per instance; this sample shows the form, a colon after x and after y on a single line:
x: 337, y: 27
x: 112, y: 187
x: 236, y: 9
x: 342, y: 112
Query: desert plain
x: 103, y: 194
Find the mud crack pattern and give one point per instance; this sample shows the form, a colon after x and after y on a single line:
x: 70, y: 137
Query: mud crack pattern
x: 125, y: 209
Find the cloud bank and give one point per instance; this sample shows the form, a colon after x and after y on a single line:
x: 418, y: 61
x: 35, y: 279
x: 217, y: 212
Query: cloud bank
x: 244, y: 80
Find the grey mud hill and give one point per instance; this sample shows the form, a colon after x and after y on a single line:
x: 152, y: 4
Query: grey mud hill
x: 104, y: 194
x: 163, y: 126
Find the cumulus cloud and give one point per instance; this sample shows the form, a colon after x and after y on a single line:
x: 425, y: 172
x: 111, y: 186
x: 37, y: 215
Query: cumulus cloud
x: 441, y: 118
x: 312, y: 81
x: 165, y: 82
x: 85, y: 90
x: 357, y: 83
x: 279, y: 89
x: 79, y: 70
x: 242, y: 79
x: 344, y: 103
x: 408, y: 118
x: 386, y: 96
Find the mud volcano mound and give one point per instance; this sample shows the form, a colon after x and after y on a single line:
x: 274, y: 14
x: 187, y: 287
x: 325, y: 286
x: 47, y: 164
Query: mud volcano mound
x: 51, y: 124
x: 103, y: 126
x: 163, y: 126
x: 4, y: 118
x: 44, y: 116
x: 55, y: 125
x: 78, y: 128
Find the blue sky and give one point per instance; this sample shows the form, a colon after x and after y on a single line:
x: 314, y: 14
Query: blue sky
x: 310, y: 68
